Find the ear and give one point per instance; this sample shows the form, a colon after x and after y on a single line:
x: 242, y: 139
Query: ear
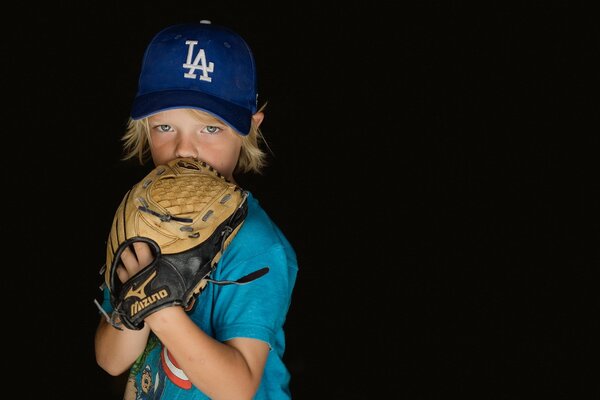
x: 257, y: 118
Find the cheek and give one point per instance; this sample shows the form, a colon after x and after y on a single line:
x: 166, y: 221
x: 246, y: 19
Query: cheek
x: 156, y: 159
x: 234, y: 155
x: 227, y: 160
x: 160, y: 151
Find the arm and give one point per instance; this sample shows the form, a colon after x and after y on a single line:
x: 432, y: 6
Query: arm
x: 221, y: 370
x: 230, y: 370
x: 117, y: 350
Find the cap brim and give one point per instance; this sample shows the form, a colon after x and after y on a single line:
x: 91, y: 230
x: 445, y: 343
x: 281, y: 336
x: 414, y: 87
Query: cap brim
x: 237, y: 117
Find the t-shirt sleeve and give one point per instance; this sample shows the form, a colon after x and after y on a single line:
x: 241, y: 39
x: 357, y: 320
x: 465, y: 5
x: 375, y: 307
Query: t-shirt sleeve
x: 256, y: 309
x: 106, y: 306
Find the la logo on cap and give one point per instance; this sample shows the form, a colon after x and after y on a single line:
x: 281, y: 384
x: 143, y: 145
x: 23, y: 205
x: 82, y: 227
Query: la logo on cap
x: 199, y: 63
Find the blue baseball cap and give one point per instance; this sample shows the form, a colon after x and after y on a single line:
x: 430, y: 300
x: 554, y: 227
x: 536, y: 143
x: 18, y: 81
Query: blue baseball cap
x: 201, y: 66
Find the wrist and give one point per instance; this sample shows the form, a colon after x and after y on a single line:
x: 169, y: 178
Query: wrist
x: 164, y: 317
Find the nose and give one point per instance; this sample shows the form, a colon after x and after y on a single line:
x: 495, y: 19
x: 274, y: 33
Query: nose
x: 185, y: 147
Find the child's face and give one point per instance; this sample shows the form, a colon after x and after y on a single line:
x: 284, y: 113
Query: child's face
x: 181, y: 133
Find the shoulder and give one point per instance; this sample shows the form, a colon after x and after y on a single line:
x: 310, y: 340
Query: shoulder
x: 260, y: 232
x: 259, y: 241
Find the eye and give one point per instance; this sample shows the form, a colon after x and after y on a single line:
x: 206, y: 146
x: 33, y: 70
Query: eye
x: 163, y: 128
x: 211, y: 129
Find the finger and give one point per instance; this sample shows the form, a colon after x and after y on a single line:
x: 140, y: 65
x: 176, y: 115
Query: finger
x: 122, y: 274
x: 144, y: 254
x: 130, y: 261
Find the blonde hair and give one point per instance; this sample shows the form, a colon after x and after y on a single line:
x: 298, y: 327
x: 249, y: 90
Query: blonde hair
x: 136, y: 143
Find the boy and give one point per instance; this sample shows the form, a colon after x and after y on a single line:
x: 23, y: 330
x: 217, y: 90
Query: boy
x: 197, y: 98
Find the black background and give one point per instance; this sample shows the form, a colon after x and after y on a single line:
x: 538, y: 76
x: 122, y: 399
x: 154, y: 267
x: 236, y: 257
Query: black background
x: 434, y: 166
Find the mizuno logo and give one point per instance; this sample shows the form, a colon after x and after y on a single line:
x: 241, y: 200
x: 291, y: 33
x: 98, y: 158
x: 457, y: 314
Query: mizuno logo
x: 198, y: 63
x: 143, y: 303
x: 140, y: 292
x: 144, y: 300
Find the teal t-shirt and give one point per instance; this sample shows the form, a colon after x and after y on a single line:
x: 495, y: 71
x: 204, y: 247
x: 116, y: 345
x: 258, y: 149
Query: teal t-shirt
x: 255, y: 310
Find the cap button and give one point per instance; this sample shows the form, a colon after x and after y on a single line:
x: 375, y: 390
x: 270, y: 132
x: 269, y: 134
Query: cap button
x: 205, y: 21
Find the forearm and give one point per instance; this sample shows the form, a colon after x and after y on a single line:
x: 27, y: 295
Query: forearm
x: 117, y: 350
x: 219, y: 370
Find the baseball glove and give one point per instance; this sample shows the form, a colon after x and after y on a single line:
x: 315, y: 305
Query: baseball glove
x: 188, y: 214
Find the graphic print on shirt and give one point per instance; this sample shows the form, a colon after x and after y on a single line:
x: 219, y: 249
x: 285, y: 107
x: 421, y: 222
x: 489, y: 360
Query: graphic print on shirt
x: 174, y: 373
x: 143, y: 383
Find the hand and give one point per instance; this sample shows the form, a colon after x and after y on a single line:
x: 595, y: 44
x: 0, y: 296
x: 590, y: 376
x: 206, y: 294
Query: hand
x: 133, y: 260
